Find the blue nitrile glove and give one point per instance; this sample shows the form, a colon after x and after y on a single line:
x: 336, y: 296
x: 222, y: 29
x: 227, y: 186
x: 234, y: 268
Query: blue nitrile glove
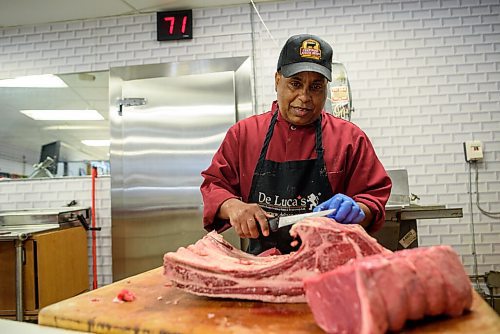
x: 347, y: 210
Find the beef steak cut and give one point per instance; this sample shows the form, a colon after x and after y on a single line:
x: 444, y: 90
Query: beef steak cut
x: 428, y: 281
x: 213, y: 267
x: 355, y: 297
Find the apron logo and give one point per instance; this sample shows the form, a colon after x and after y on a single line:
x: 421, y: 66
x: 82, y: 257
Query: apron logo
x: 313, y: 200
x: 289, y: 204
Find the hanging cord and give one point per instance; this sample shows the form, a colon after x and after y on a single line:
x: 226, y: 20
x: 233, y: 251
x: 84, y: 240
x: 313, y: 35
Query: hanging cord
x: 264, y: 24
x: 486, y: 213
x: 474, y: 254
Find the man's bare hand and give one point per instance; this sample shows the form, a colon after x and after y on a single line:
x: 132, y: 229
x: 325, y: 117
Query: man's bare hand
x: 244, y: 217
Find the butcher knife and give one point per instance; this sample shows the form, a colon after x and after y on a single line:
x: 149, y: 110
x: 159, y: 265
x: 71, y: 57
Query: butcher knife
x: 280, y: 221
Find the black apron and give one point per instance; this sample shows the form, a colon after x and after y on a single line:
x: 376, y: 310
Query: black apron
x: 287, y: 188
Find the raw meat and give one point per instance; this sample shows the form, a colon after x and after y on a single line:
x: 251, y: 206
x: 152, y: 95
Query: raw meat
x: 213, y: 267
x: 412, y: 287
x: 382, y: 273
x: 350, y: 300
x: 410, y: 283
x: 429, y: 275
x: 124, y: 296
x: 456, y: 283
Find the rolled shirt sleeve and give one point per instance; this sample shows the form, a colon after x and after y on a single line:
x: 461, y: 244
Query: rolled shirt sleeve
x: 221, y: 182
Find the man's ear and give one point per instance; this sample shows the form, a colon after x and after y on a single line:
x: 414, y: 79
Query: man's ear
x: 277, y: 77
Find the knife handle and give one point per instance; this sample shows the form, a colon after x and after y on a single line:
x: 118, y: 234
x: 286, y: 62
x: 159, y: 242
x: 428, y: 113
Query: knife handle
x: 273, y: 223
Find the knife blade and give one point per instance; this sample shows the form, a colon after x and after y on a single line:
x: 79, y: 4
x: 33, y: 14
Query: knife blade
x: 280, y: 221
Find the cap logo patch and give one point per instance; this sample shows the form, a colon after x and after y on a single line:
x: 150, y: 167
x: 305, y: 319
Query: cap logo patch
x: 310, y: 49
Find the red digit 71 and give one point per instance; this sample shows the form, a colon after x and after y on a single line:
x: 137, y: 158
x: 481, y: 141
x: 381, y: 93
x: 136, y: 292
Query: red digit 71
x: 171, y: 20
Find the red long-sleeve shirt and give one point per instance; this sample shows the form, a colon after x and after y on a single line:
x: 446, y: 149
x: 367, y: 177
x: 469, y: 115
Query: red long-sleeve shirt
x: 352, y: 165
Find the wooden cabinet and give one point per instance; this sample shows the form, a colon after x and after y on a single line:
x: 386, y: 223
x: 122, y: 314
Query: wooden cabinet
x: 55, y: 267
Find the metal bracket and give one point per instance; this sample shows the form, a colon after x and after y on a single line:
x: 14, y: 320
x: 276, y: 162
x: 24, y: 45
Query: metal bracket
x: 86, y: 225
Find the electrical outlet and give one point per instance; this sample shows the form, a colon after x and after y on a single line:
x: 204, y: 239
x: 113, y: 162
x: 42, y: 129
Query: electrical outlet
x: 473, y: 150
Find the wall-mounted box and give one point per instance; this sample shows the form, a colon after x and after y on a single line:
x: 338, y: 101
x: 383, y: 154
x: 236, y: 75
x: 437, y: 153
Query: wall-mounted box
x: 473, y: 150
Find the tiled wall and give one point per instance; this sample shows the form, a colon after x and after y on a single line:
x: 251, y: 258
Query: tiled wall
x: 58, y: 192
x: 425, y: 76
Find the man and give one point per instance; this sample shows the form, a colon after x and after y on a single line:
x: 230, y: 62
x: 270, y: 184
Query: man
x: 293, y: 157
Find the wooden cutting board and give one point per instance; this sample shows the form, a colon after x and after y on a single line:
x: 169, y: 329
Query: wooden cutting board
x: 160, y: 308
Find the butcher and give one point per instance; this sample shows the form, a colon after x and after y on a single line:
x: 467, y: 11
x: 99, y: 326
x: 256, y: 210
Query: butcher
x: 294, y: 158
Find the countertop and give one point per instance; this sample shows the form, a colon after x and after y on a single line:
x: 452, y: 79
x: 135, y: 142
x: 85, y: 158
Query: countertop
x: 160, y: 308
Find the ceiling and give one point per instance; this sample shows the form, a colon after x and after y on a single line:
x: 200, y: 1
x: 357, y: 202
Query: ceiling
x: 25, y: 136
x: 28, y: 12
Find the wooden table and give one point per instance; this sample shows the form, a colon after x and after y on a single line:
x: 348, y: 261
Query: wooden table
x: 160, y: 308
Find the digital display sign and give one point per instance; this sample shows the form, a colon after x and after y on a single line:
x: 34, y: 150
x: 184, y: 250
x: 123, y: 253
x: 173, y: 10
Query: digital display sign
x: 174, y: 25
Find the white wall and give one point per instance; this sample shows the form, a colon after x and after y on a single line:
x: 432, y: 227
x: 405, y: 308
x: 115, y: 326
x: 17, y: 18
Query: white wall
x: 425, y: 77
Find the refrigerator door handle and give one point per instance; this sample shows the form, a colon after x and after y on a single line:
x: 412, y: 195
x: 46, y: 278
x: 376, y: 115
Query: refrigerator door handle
x: 130, y: 102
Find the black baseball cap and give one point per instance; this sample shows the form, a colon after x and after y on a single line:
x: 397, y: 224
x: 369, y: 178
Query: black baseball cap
x: 303, y: 53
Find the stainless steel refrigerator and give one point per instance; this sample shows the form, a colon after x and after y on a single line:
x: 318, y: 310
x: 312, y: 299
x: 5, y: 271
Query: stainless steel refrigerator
x: 167, y: 121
